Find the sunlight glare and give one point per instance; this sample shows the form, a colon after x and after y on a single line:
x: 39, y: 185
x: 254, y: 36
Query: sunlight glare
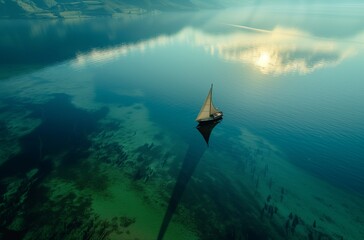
x: 263, y: 60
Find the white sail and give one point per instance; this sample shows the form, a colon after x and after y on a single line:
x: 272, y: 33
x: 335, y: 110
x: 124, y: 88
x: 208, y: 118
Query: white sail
x: 213, y: 109
x: 205, y: 111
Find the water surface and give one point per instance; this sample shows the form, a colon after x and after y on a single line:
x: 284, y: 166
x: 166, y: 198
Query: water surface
x: 98, y: 131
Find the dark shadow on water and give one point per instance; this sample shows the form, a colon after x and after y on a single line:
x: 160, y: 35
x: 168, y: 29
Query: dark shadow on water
x: 206, y: 129
x: 193, y: 155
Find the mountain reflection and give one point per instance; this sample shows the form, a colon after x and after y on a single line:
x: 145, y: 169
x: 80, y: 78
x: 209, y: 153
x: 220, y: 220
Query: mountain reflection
x: 279, y: 51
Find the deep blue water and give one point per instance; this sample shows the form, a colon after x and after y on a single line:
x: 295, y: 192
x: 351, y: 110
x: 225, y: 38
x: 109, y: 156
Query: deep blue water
x: 293, y: 79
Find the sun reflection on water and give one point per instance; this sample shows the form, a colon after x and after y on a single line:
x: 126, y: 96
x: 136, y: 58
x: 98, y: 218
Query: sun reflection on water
x: 263, y: 60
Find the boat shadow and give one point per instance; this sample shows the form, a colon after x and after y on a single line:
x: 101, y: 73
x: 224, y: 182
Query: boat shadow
x: 193, y: 155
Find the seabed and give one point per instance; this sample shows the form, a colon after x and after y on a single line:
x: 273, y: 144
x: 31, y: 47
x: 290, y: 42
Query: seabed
x: 72, y: 168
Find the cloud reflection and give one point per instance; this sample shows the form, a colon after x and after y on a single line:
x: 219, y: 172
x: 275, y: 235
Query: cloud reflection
x: 278, y: 51
x: 104, y: 55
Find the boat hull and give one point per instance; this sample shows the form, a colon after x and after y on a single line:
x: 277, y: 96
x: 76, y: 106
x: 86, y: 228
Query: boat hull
x: 215, y: 117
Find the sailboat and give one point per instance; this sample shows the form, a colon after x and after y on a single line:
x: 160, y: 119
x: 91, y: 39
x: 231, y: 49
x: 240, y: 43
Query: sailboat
x: 208, y: 111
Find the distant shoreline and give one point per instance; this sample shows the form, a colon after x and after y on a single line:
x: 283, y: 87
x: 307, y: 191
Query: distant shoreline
x: 78, y: 15
x: 58, y: 9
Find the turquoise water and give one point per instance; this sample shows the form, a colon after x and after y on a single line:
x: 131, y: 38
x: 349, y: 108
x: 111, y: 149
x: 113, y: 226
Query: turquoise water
x: 96, y: 112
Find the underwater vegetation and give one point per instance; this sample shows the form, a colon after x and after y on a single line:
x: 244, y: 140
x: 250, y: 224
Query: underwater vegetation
x: 30, y: 208
x: 42, y: 216
x: 49, y: 185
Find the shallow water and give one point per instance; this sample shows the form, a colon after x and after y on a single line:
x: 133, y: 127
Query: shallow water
x: 99, y: 140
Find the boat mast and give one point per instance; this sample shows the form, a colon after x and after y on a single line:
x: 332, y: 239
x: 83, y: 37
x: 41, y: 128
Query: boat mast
x: 210, y: 98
